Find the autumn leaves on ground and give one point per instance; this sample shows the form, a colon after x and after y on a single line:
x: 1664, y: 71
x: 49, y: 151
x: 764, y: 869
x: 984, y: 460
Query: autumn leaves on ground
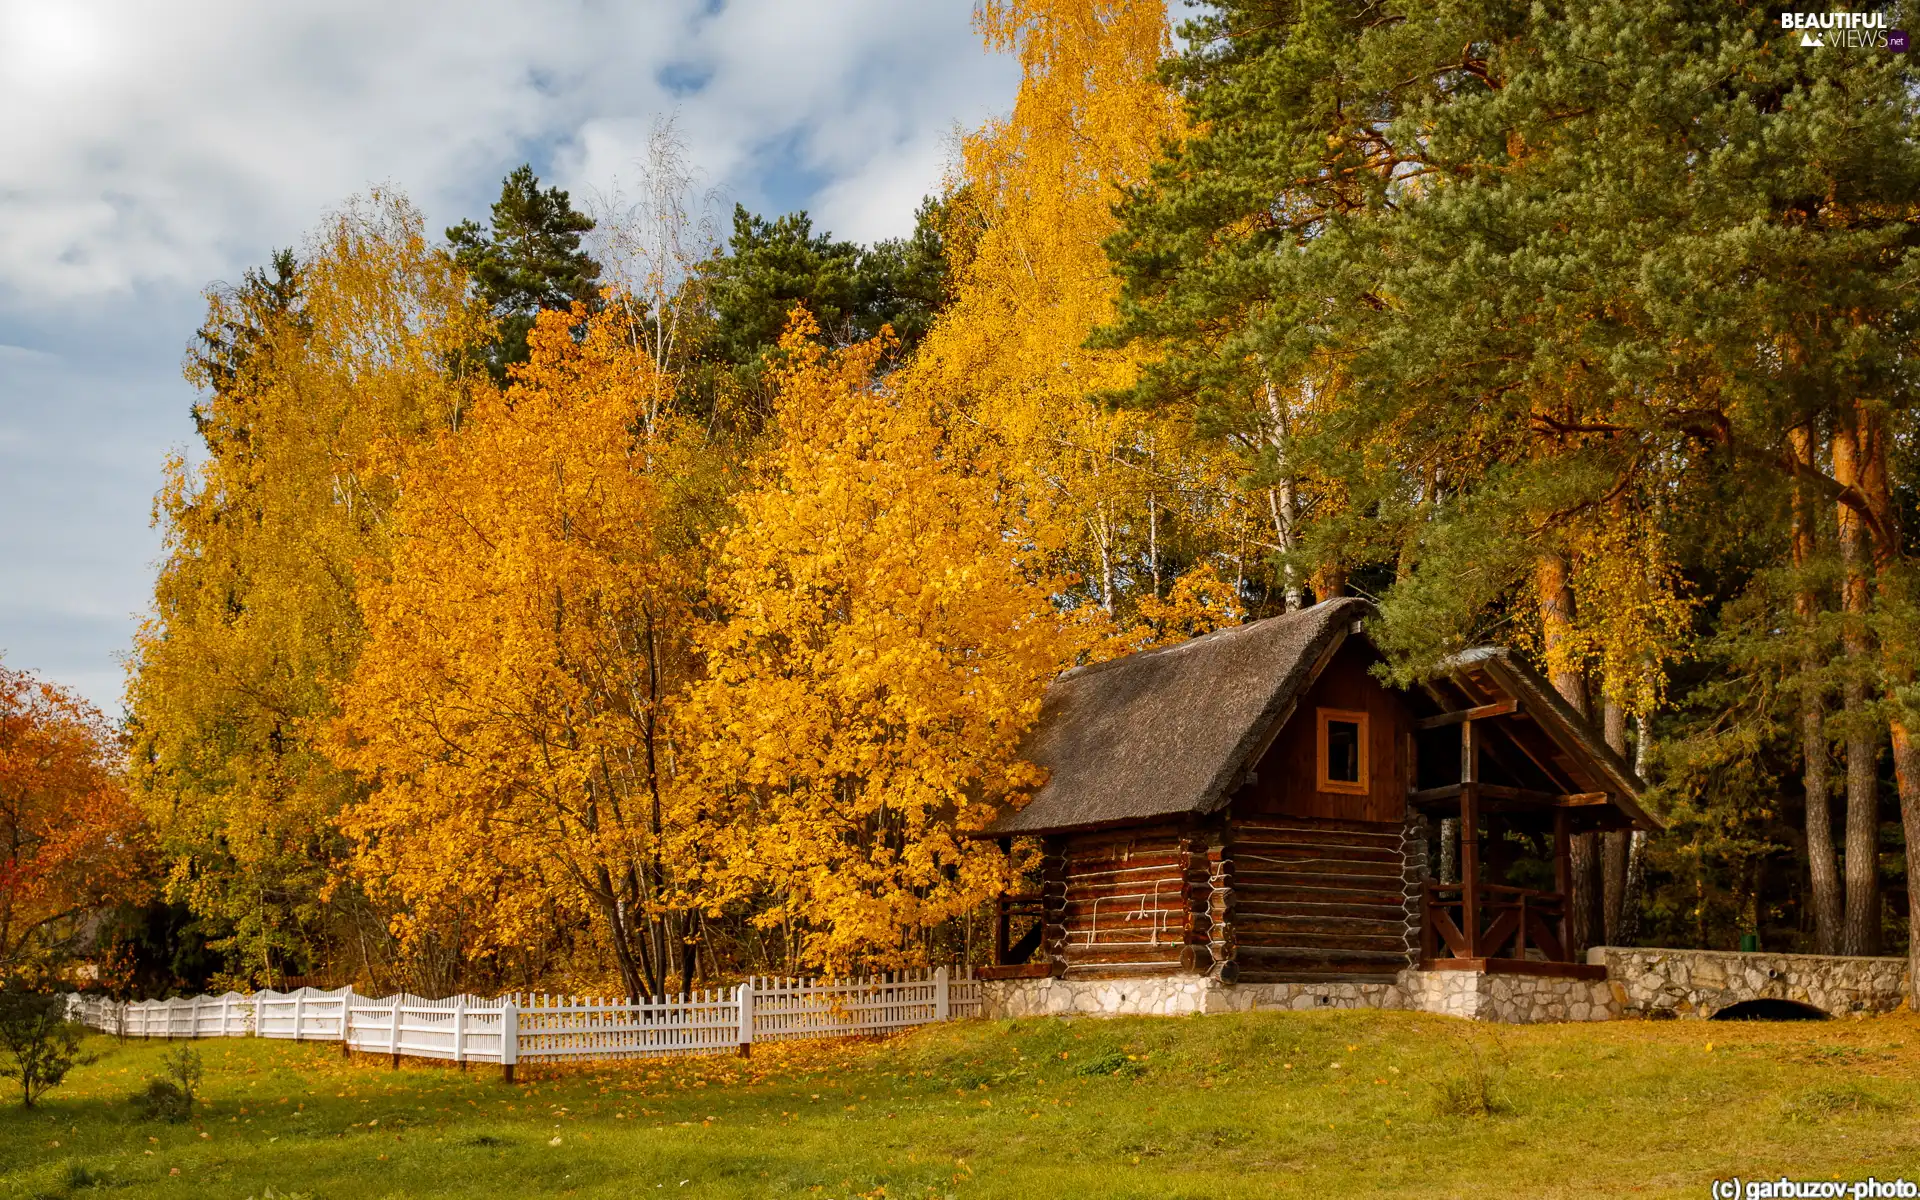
x: 1269, y: 1104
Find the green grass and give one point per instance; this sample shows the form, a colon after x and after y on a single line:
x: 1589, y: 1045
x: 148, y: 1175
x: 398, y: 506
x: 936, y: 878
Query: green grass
x: 1269, y: 1104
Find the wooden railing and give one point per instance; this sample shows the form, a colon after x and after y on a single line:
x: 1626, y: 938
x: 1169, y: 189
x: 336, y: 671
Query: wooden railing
x: 1506, y: 922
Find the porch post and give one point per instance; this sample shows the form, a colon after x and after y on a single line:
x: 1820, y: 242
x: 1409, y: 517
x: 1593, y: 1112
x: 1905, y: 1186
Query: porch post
x: 1563, y: 874
x: 1470, y: 835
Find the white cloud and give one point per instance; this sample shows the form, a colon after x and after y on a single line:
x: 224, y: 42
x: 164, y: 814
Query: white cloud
x: 150, y: 148
x: 171, y: 143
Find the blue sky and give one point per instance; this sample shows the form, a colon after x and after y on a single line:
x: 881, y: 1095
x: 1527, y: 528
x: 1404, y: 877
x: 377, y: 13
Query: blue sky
x: 153, y: 148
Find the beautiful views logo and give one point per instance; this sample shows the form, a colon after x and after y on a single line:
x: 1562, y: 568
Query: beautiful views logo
x: 1853, y: 30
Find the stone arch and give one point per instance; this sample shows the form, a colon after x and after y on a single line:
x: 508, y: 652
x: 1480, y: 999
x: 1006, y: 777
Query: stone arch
x: 1769, y: 1009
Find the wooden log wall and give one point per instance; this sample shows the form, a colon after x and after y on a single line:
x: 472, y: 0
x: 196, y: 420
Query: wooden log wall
x: 1220, y: 909
x: 1317, y: 900
x: 1126, y: 903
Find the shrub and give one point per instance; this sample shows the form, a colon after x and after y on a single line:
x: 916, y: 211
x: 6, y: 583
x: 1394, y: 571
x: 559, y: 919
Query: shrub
x: 162, y: 1101
x: 171, y: 1097
x: 1475, y: 1091
x: 1112, y: 1063
x: 40, y: 1043
x: 79, y: 1176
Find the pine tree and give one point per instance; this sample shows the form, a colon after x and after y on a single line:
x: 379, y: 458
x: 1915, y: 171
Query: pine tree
x: 1544, y: 278
x: 527, y: 261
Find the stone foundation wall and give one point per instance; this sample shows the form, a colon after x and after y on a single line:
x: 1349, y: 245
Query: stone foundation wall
x: 1640, y: 983
x: 1700, y: 983
x: 1514, y: 999
x: 1511, y: 999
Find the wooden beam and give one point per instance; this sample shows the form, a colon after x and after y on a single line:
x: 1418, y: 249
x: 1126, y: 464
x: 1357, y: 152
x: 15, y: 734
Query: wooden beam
x: 1582, y: 799
x: 1500, y: 791
x: 1513, y: 966
x: 1479, y: 713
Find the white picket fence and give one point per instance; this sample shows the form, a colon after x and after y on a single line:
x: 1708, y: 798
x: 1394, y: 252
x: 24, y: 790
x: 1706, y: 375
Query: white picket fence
x: 538, y: 1028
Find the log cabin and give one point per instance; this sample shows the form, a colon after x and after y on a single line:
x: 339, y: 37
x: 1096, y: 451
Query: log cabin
x: 1256, y: 805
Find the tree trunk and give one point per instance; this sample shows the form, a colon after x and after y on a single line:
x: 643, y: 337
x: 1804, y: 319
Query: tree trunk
x: 1555, y: 594
x: 1862, y: 911
x: 1822, y: 868
x: 1906, y: 772
x: 631, y: 977
x: 1897, y: 662
x: 1614, y: 844
x: 1283, y: 504
x: 1636, y: 845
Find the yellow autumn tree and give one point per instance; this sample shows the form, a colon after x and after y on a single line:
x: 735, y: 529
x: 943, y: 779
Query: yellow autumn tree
x: 309, y: 376
x: 883, y: 649
x: 1119, y: 501
x: 512, y: 711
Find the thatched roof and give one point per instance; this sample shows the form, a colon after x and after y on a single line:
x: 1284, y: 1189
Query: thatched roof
x: 1170, y: 732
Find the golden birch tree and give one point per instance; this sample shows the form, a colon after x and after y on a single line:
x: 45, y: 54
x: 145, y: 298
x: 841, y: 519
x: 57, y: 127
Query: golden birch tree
x: 512, y: 713
x: 309, y: 381
x: 883, y: 649
x: 1118, y: 501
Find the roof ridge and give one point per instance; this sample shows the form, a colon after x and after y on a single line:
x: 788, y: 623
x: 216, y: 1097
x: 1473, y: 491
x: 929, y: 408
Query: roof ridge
x: 1209, y: 636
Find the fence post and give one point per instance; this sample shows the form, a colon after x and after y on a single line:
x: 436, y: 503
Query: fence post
x: 226, y: 1010
x: 743, y: 998
x: 509, y: 1039
x: 460, y: 1031
x: 299, y: 1002
x: 393, y: 1041
x: 942, y: 1005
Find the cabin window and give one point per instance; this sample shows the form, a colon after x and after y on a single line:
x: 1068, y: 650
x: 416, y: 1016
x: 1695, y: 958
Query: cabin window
x: 1343, y: 751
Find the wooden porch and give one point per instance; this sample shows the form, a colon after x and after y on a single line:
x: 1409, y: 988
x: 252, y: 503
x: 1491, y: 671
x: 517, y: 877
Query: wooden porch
x: 1481, y: 922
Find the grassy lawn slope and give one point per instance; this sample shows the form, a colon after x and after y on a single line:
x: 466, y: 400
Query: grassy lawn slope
x: 1266, y: 1104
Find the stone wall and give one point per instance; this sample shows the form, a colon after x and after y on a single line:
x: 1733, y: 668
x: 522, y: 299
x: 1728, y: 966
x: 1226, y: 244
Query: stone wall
x: 1510, y: 999
x: 1700, y: 983
x: 1640, y: 983
x: 1514, y: 999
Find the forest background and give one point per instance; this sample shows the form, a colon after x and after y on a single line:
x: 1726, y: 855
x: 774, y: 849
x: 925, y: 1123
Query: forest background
x: 592, y: 600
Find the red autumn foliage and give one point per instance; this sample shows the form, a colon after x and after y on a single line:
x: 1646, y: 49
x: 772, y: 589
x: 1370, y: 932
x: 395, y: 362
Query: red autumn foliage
x: 71, y: 840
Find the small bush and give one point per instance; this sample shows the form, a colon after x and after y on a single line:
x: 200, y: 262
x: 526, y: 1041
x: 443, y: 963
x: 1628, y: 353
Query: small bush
x: 41, y: 1045
x: 79, y: 1177
x: 1475, y: 1090
x: 171, y: 1097
x: 1112, y: 1063
x: 184, y: 1071
x: 162, y: 1101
